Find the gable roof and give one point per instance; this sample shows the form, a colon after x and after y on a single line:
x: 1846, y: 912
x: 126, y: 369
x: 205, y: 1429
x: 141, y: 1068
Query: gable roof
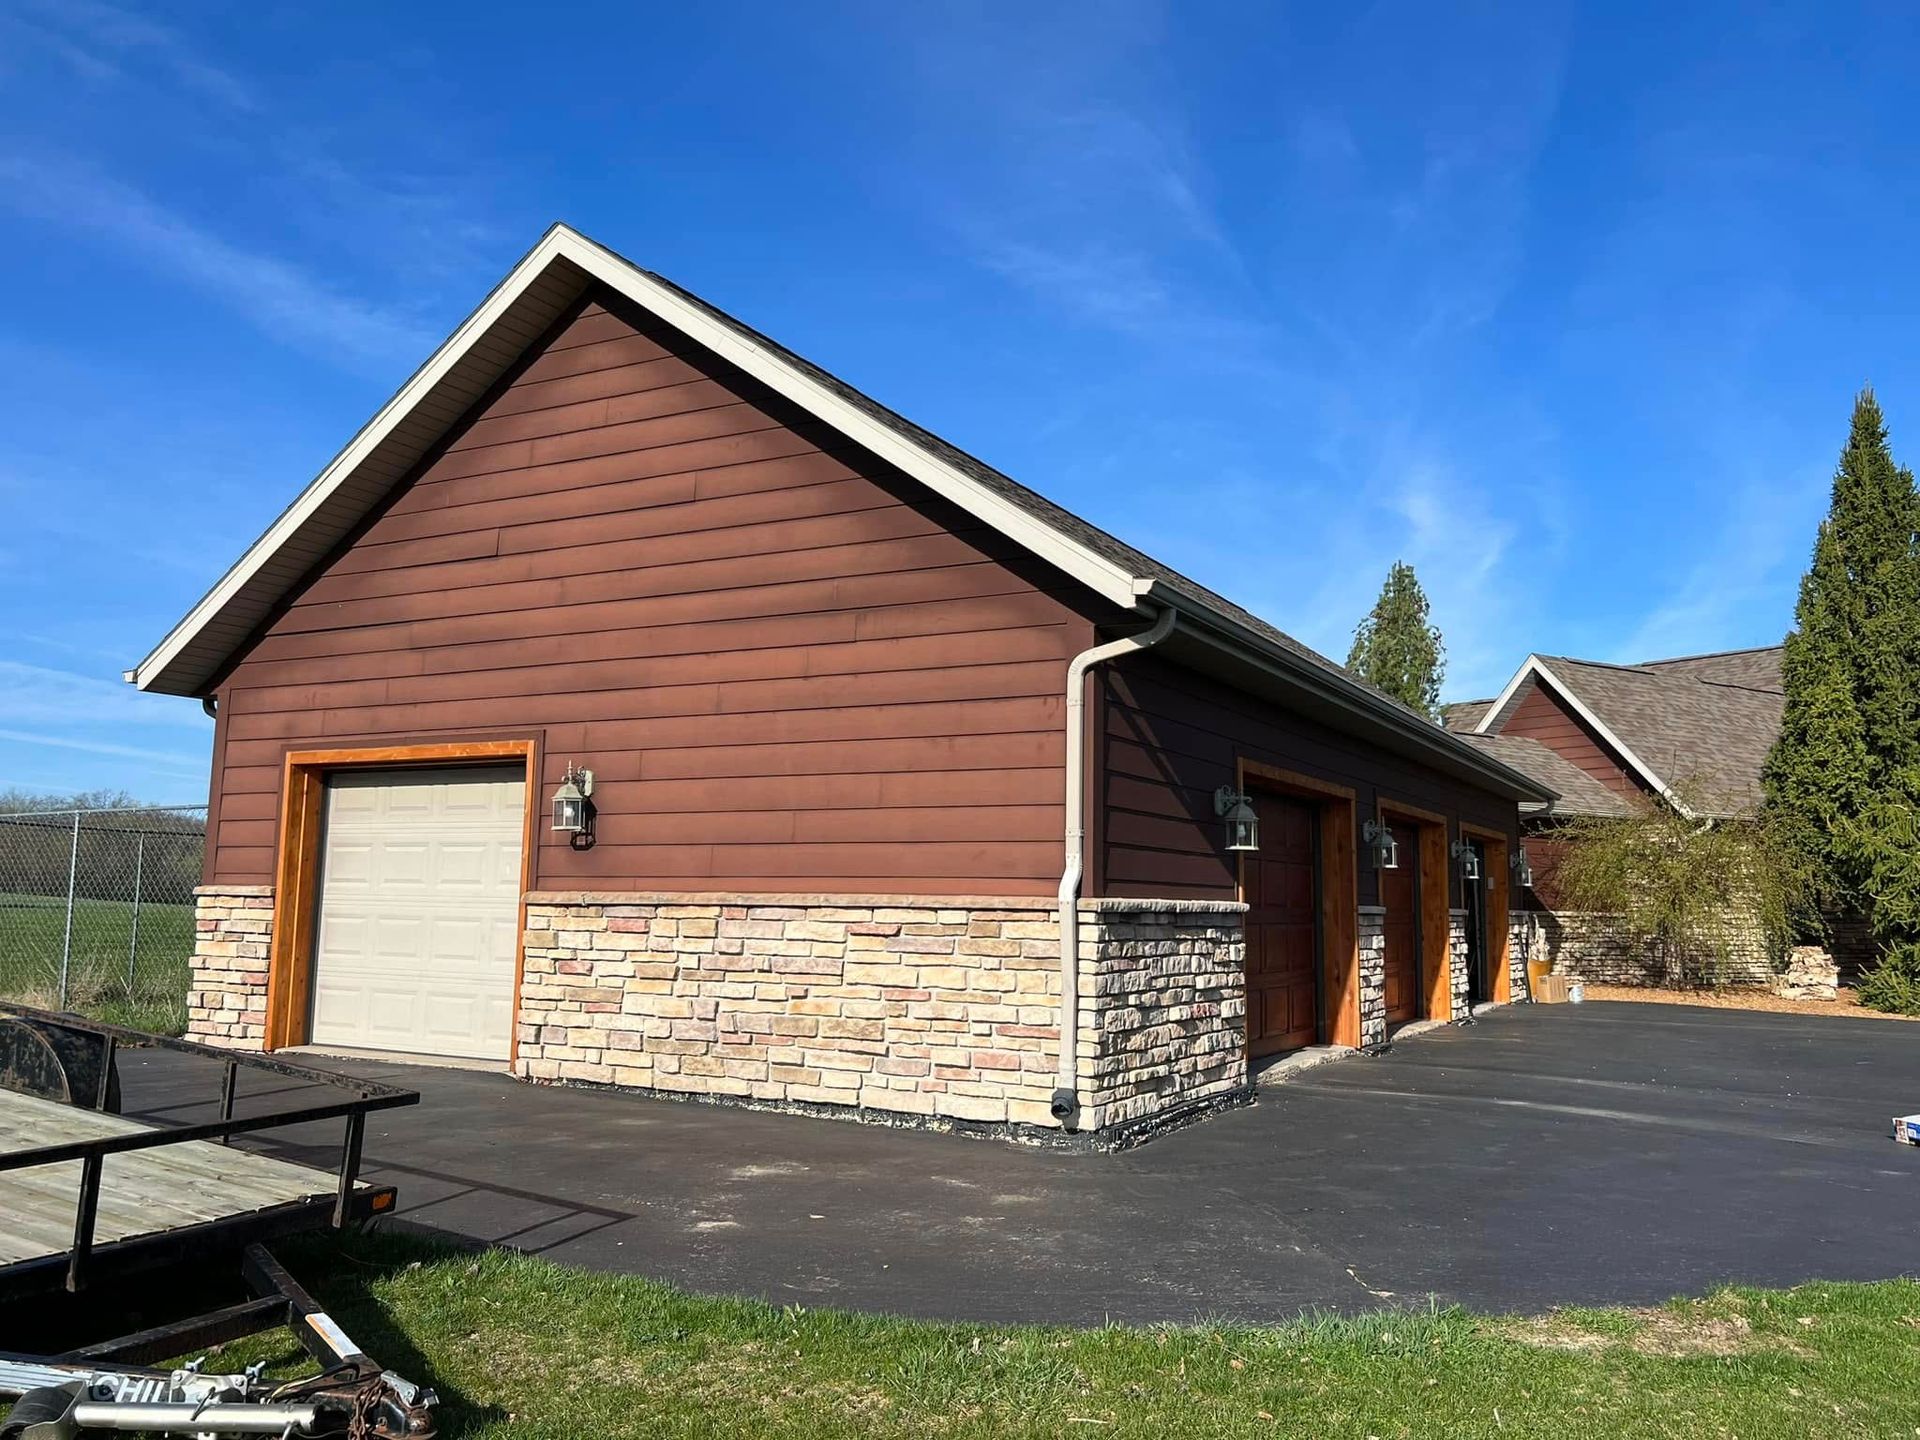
x: 1697, y: 723
x: 563, y: 266
x: 1579, y: 792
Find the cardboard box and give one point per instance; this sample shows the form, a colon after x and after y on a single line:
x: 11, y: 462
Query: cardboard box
x: 1906, y: 1129
x: 1550, y: 990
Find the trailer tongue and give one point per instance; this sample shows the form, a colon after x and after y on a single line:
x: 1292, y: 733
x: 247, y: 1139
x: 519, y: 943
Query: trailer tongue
x: 96, y: 1390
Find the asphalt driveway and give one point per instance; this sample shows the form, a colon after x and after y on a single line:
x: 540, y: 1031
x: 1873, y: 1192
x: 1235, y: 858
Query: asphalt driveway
x: 1547, y: 1155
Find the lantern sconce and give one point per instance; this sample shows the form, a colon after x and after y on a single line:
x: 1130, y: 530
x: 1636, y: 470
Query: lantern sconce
x: 1522, y: 870
x: 1469, y: 859
x: 1381, y: 845
x: 1243, y: 824
x: 573, y: 806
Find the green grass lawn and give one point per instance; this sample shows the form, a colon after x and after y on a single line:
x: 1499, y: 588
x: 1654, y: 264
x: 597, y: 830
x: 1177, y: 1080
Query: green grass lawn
x: 524, y: 1348
x: 32, y: 929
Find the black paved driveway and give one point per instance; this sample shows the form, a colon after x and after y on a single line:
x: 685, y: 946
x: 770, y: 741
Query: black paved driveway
x: 1547, y: 1155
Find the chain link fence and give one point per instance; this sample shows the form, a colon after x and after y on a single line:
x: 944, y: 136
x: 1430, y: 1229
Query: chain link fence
x: 96, y: 910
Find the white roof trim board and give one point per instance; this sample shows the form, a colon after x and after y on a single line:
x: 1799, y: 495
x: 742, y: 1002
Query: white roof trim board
x: 535, y: 293
x: 1536, y: 669
x: 247, y: 592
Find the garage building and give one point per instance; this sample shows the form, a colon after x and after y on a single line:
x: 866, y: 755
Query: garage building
x: 634, y: 703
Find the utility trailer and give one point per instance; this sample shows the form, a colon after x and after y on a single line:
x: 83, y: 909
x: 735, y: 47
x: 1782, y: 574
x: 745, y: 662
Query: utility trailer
x: 97, y: 1207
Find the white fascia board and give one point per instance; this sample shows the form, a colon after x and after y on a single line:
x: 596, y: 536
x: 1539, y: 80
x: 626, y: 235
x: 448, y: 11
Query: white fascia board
x: 376, y: 430
x: 1099, y: 574
x: 1485, y: 724
x: 1102, y: 576
x: 1536, y: 668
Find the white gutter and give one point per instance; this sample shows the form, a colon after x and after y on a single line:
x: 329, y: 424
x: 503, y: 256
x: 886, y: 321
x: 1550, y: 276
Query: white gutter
x: 1066, y: 1097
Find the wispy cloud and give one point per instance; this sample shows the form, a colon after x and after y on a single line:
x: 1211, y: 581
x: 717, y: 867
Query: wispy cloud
x: 50, y: 710
x: 277, y: 297
x: 181, y: 762
x: 39, y: 696
x: 1737, y: 578
x: 101, y: 41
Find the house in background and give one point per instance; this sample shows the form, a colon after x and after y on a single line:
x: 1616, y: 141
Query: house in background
x: 1693, y: 731
x: 634, y: 703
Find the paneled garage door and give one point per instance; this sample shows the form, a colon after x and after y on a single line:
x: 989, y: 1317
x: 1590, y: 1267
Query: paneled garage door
x: 419, y: 909
x: 1281, y: 885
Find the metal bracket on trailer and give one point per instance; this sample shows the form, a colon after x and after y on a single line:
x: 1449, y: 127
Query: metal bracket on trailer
x: 107, y: 1387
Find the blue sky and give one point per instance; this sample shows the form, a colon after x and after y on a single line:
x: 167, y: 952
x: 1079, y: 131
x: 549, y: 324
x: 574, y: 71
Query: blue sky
x: 1566, y: 305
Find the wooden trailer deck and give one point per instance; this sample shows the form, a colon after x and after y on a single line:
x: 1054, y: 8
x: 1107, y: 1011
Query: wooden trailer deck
x: 143, y: 1192
x: 84, y: 1189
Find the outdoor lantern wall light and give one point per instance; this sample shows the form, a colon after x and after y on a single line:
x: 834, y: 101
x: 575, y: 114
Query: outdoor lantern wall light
x: 1522, y: 871
x: 1469, y: 859
x: 1243, y: 824
x: 1381, y: 845
x: 573, y: 805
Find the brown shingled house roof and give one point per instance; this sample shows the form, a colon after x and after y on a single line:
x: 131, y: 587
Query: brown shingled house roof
x: 1579, y: 792
x: 1697, y: 726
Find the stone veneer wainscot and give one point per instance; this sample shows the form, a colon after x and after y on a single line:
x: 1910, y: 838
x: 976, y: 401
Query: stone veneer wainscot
x: 227, y: 996
x: 1459, y: 957
x: 1373, y: 976
x: 945, y: 1009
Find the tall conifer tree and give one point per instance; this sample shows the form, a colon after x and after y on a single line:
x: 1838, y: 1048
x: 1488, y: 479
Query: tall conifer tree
x: 1843, y: 779
x: 1397, y: 648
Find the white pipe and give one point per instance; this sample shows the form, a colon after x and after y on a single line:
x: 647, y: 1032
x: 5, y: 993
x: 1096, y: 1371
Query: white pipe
x: 1066, y: 1101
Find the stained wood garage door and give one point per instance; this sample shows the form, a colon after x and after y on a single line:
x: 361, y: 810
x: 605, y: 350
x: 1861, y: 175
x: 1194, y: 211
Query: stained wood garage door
x: 1400, y: 894
x: 419, y: 908
x: 1283, y: 949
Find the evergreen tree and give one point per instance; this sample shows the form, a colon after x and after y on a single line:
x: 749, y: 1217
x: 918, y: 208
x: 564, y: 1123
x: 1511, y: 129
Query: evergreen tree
x: 1843, y: 779
x: 1815, y: 777
x: 1397, y: 648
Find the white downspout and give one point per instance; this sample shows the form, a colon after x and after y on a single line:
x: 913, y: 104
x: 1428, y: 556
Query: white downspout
x: 1066, y: 1096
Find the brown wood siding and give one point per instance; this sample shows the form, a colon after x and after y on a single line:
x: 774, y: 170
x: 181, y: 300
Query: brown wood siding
x: 1542, y: 715
x: 1173, y: 736
x: 1545, y: 851
x: 788, y: 667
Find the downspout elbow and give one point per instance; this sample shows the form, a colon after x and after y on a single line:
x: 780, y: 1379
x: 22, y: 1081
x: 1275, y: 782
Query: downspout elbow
x: 1065, y: 1105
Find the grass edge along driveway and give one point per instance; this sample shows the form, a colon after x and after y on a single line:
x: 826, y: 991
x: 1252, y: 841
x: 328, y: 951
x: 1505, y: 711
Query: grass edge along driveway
x: 522, y: 1347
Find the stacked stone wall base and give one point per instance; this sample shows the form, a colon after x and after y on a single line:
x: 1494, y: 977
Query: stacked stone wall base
x: 942, y: 1009
x: 227, y: 996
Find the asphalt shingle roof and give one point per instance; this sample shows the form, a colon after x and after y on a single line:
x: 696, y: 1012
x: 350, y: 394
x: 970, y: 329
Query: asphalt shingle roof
x: 1462, y: 715
x: 1701, y: 723
x: 1580, y: 793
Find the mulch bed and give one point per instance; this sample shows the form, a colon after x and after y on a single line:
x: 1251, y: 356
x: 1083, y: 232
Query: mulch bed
x: 1846, y: 1004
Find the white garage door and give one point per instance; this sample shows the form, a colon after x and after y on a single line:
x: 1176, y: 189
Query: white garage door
x: 419, y: 909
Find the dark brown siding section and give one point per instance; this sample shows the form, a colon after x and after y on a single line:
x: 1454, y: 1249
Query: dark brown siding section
x: 1173, y: 736
x: 1545, y: 852
x: 788, y: 668
x: 1541, y: 715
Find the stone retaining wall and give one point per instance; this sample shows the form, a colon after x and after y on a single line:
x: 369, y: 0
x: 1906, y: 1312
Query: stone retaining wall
x: 1597, y: 948
x: 945, y: 1009
x: 227, y: 997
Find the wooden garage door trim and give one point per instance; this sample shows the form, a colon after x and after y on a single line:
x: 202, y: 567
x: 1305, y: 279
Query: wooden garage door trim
x: 1431, y: 831
x: 296, y: 908
x: 1339, y: 893
x: 1498, y: 941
